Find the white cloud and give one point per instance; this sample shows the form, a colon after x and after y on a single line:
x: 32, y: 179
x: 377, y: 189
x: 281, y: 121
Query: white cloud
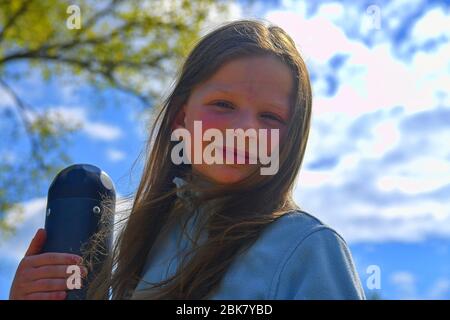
x: 317, y: 38
x: 115, y: 155
x: 5, y: 99
x: 76, y: 117
x: 372, y: 78
x: 386, y: 137
x: 8, y: 157
x: 405, y: 283
x: 141, y: 119
x: 422, y: 174
x: 363, y: 194
x: 316, y: 178
x: 27, y: 221
x: 364, y: 220
x: 432, y: 25
x: 30, y: 209
x: 440, y: 289
x: 369, y: 198
x: 331, y: 11
x: 70, y: 116
x: 102, y: 131
x: 403, y: 278
x: 215, y: 17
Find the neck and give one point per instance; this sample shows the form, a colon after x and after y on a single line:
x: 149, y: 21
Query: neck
x: 200, y: 179
x: 195, y: 180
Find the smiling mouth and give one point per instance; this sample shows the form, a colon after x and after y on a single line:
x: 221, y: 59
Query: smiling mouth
x: 237, y: 154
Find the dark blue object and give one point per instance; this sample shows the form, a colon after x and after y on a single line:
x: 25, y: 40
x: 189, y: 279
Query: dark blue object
x: 74, y: 210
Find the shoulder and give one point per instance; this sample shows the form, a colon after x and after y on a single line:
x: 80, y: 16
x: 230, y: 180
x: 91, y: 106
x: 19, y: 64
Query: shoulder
x: 297, y: 231
x: 300, y: 225
x: 316, y: 264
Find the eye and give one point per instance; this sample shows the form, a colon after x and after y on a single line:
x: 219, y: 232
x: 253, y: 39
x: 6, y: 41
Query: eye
x: 223, y: 104
x: 273, y: 117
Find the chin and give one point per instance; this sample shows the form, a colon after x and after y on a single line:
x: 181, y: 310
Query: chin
x: 225, y: 174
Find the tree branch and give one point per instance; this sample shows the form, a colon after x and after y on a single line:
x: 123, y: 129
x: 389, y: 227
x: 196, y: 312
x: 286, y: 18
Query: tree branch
x: 98, y: 15
x: 106, y: 68
x: 116, y: 83
x: 14, y: 17
x: 62, y: 46
x: 22, y: 109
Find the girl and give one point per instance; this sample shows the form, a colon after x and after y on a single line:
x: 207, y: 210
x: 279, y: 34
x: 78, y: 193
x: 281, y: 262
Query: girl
x: 226, y: 231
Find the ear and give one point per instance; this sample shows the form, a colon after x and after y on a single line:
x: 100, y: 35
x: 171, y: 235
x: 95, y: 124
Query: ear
x: 180, y: 119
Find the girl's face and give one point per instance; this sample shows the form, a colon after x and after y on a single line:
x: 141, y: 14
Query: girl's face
x: 250, y: 92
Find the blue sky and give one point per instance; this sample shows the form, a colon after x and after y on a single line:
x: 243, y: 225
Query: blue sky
x: 377, y: 165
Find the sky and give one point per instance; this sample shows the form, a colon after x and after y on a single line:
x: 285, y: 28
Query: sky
x: 377, y: 164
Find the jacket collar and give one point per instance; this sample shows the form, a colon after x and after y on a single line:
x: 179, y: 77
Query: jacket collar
x: 188, y: 195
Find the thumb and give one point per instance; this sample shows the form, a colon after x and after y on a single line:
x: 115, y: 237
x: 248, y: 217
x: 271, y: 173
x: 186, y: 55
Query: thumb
x: 37, y: 243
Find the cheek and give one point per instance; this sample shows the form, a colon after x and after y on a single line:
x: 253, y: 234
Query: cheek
x: 209, y: 120
x: 276, y: 140
x: 212, y: 120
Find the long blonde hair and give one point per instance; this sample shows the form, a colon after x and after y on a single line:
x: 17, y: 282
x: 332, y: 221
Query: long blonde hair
x: 240, y: 212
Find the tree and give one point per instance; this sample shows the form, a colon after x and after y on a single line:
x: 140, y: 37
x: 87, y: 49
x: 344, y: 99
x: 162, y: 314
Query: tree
x: 118, y: 44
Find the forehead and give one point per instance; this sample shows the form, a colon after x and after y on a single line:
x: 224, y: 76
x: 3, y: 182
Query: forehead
x: 257, y: 78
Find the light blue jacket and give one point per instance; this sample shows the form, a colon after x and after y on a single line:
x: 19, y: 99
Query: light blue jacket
x: 296, y: 257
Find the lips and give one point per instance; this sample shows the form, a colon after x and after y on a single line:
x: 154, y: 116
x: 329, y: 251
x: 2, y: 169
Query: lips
x: 237, y: 154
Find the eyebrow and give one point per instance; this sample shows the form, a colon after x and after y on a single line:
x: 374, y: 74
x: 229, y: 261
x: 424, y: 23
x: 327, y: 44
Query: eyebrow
x: 273, y: 105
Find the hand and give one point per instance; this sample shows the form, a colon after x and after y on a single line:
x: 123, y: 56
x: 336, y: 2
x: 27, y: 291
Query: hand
x: 43, y: 276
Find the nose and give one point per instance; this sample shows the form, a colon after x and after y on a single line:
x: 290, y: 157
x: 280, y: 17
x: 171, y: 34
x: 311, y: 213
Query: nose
x: 247, y: 120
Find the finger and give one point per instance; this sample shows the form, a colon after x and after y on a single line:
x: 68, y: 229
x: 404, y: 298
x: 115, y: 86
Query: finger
x: 37, y: 243
x: 47, y: 285
x: 53, y: 258
x: 55, y: 295
x: 54, y: 272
